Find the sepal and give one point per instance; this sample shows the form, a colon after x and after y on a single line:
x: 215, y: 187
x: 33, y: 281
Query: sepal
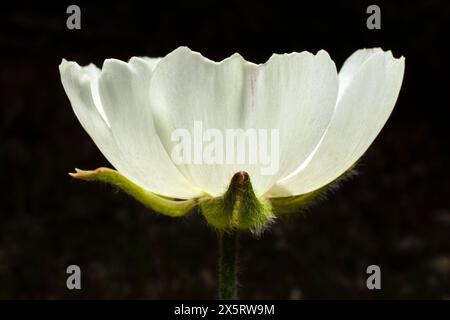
x: 293, y: 204
x: 164, y: 205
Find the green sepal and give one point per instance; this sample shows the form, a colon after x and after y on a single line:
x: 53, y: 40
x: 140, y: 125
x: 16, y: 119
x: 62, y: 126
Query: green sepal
x: 292, y: 204
x: 238, y: 208
x: 164, y: 205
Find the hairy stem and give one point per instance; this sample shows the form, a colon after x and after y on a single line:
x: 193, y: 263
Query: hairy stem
x: 228, y: 251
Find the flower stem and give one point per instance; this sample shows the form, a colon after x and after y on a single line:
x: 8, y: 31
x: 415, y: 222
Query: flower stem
x: 228, y: 251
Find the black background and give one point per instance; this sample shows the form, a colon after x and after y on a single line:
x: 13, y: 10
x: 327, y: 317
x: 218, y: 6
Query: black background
x: 395, y: 214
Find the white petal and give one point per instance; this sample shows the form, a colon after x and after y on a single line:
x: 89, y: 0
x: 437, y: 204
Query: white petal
x: 295, y: 93
x: 352, y: 66
x: 142, y: 63
x: 80, y: 84
x: 292, y: 93
x: 370, y: 81
x: 123, y: 89
x: 186, y: 88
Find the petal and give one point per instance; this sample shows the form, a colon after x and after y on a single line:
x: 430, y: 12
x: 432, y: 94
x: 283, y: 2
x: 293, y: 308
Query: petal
x: 145, y: 62
x: 186, y: 90
x: 123, y: 90
x: 293, y: 93
x: 296, y: 94
x: 80, y: 84
x: 370, y: 82
x: 352, y: 66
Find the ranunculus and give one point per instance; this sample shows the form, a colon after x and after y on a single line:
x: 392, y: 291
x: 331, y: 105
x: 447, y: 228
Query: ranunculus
x: 325, y: 121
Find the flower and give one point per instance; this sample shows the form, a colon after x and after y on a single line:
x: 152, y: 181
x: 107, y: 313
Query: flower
x: 325, y: 121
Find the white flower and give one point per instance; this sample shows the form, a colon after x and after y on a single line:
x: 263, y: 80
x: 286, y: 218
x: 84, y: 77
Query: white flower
x: 326, y: 121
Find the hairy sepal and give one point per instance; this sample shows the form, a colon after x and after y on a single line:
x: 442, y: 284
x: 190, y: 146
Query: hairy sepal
x: 161, y: 204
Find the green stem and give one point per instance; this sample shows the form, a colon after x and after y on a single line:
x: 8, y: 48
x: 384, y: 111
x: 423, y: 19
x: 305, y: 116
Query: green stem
x: 228, y: 249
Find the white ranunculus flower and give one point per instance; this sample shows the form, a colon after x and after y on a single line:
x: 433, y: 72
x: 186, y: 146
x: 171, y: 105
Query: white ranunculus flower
x: 325, y: 120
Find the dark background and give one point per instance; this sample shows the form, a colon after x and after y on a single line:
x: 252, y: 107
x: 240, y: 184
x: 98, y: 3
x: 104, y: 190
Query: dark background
x: 396, y: 213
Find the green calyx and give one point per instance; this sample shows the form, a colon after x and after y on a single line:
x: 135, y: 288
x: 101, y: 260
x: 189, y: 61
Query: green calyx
x: 238, y: 208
